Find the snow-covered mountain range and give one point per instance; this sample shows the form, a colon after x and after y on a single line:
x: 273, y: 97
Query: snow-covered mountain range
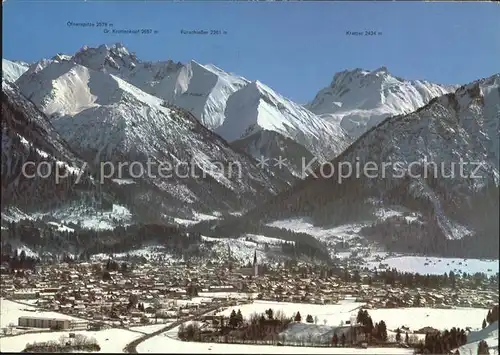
x: 359, y: 99
x: 230, y: 105
x: 414, y: 162
x: 106, y: 119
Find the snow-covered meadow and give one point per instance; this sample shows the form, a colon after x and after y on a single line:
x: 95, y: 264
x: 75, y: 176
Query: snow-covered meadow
x: 435, y: 265
x: 168, y: 343
x: 332, y: 315
x: 417, y: 318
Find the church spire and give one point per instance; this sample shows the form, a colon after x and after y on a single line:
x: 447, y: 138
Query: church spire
x: 255, y: 266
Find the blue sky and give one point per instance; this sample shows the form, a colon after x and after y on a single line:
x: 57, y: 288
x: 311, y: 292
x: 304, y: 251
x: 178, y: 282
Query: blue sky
x: 295, y: 48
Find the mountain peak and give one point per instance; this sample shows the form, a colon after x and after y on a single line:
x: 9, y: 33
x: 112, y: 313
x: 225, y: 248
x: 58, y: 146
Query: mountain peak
x: 111, y: 58
x: 360, y: 99
x: 382, y: 69
x: 359, y: 74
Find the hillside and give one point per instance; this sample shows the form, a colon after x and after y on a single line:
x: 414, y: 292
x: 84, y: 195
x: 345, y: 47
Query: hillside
x: 29, y: 137
x: 454, y: 209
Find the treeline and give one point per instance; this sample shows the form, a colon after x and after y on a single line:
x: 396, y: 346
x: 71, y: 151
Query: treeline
x: 401, y: 235
x: 413, y: 280
x: 76, y: 343
x: 442, y: 342
x: 393, y: 276
x: 123, y: 239
x: 38, y: 234
x: 26, y: 231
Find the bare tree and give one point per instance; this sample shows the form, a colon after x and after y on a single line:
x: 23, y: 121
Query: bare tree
x: 62, y: 340
x: 309, y: 338
x: 279, y: 315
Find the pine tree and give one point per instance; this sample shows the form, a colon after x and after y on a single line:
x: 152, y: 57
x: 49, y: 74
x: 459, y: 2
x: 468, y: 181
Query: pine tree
x: 484, y: 323
x: 398, y: 335
x: 232, y: 319
x: 239, y: 318
x: 482, y: 348
x: 298, y: 317
x: 382, y: 329
x: 361, y: 317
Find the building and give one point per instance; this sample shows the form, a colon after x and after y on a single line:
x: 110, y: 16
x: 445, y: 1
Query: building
x: 42, y: 322
x: 255, y: 265
x: 25, y: 295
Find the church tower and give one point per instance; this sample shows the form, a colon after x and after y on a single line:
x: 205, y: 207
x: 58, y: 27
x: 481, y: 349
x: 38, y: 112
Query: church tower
x: 255, y: 265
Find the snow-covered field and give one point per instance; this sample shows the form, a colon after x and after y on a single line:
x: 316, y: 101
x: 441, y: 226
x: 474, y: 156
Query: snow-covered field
x: 197, y: 217
x: 110, y: 340
x: 168, y: 343
x: 417, y: 318
x: 414, y: 318
x: 301, y: 225
x: 434, y: 265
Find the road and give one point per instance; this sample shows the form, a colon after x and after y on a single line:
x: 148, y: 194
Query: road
x: 131, y: 348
